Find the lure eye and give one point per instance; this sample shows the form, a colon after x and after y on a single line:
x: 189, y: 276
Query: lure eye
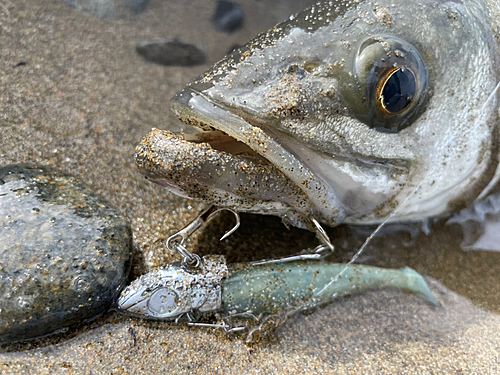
x: 392, y: 86
x: 163, y: 303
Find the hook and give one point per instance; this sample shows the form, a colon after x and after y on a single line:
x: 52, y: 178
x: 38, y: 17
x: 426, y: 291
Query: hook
x: 175, y: 243
x: 182, y: 235
x: 324, y: 248
x: 212, y: 211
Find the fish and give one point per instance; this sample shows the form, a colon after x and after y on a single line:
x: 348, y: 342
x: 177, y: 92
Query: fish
x: 353, y: 112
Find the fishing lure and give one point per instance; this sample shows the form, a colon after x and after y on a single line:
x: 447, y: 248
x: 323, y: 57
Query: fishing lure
x: 188, y: 289
x: 178, y: 291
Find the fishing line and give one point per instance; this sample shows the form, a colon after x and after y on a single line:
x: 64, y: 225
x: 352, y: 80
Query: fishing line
x: 369, y: 238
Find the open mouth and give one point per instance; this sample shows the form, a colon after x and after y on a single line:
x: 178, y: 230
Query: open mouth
x: 233, y: 163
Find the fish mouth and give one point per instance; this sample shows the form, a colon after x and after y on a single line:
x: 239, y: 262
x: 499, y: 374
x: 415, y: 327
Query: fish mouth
x: 235, y: 163
x: 301, y: 194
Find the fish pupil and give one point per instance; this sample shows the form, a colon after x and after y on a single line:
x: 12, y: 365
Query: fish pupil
x: 398, y: 90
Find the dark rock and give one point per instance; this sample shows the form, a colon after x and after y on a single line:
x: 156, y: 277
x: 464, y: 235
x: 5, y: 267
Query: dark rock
x: 64, y: 252
x: 228, y: 16
x: 171, y: 52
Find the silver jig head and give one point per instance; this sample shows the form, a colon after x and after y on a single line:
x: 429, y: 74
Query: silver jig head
x: 174, y: 292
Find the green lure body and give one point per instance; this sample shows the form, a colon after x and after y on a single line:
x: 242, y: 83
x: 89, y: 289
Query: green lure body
x: 281, y: 287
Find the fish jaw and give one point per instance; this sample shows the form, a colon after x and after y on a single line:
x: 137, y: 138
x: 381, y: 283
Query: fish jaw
x: 340, y: 183
x: 337, y: 187
x: 196, y: 170
x: 323, y: 203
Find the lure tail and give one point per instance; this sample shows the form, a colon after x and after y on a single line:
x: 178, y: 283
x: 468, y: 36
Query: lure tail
x: 295, y: 286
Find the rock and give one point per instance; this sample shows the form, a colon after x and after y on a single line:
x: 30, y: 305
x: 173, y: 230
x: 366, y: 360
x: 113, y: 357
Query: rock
x: 64, y: 252
x: 110, y: 8
x: 171, y: 52
x: 228, y: 16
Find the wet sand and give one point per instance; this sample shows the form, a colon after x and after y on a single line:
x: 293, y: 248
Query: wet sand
x: 76, y: 96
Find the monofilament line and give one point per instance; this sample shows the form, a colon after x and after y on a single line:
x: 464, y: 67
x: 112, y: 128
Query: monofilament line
x: 369, y: 238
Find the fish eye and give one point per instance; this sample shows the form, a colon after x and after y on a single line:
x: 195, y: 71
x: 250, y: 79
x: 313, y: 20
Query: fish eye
x: 396, y: 90
x: 392, y: 86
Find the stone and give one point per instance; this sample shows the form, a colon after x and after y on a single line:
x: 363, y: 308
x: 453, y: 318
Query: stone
x: 171, y: 52
x: 65, y: 253
x: 228, y: 16
x: 138, y: 6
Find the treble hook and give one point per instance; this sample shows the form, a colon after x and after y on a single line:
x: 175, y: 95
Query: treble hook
x: 175, y: 243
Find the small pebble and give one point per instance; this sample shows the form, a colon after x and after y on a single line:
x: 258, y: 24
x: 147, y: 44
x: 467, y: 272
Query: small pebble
x: 228, y: 16
x: 171, y: 52
x: 64, y: 252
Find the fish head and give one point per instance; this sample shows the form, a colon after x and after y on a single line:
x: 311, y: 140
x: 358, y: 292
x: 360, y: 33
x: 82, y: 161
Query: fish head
x: 347, y: 112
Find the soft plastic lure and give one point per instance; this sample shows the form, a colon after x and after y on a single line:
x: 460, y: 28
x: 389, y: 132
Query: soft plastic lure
x: 178, y: 291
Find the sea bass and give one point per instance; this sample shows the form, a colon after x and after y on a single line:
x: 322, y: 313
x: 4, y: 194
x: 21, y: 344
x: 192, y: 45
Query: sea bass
x: 351, y: 111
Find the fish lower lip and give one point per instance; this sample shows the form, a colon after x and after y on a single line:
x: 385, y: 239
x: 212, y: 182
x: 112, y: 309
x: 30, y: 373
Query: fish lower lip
x: 196, y: 170
x: 194, y: 108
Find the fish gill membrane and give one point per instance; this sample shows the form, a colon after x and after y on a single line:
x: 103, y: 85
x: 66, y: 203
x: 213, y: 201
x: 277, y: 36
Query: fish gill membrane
x: 480, y: 223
